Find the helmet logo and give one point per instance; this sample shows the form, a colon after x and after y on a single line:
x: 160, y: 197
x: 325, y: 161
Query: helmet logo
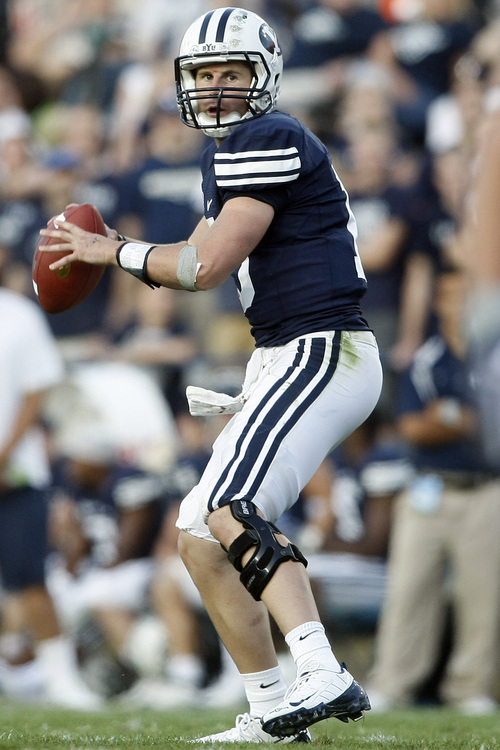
x: 267, y: 38
x: 219, y: 47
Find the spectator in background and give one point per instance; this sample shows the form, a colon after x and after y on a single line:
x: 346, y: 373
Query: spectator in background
x: 117, y: 443
x: 23, y: 179
x: 72, y: 48
x: 78, y: 150
x: 38, y: 182
x: 159, y: 341
x: 139, y: 89
x: 473, y: 192
x: 105, y: 516
x: 323, y: 38
x: 327, y: 30
x: 80, y: 132
x: 453, y: 116
x: 11, y: 100
x: 162, y: 193
x: 349, y: 571
x: 439, y: 203
x: 380, y: 174
x: 153, y: 29
x: 29, y: 366
x: 197, y: 669
x: 444, y: 547
x: 419, y: 53
x: 311, y: 520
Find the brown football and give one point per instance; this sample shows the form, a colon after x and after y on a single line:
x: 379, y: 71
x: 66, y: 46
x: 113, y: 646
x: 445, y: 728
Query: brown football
x: 66, y: 287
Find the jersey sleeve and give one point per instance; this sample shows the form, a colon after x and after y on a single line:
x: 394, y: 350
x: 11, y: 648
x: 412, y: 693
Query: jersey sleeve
x: 260, y: 162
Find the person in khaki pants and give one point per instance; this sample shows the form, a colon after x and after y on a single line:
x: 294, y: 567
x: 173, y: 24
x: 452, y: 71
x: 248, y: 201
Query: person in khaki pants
x: 444, y: 546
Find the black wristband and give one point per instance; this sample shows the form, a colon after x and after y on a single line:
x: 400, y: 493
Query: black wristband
x: 121, y: 237
x: 133, y: 257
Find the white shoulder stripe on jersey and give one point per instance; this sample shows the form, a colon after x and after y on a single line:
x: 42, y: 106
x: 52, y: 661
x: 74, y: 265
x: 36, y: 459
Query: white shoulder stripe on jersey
x: 256, y: 154
x: 285, y: 165
x: 257, y: 180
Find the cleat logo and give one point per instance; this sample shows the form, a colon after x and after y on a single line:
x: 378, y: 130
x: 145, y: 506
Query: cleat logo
x: 303, y: 700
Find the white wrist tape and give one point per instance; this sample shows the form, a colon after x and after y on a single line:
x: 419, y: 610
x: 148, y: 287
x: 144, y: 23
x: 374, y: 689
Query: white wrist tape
x: 188, y: 267
x: 133, y: 257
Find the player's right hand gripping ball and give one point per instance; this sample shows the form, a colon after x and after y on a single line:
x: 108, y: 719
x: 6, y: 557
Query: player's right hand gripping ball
x: 60, y: 290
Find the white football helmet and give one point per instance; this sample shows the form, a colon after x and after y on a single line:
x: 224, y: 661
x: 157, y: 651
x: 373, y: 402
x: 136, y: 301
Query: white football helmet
x: 223, y: 35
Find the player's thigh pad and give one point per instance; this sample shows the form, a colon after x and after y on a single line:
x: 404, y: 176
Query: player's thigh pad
x: 302, y: 400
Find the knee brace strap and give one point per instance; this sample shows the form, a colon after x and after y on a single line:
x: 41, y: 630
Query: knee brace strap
x: 259, y: 533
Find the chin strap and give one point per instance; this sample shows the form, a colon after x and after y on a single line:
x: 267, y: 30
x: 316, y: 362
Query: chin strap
x: 227, y: 124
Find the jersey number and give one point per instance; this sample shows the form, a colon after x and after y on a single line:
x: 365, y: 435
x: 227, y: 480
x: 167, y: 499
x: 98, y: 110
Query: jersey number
x: 246, y: 291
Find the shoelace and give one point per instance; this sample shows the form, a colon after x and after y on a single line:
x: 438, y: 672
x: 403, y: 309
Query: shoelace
x: 302, y: 679
x: 243, y: 722
x: 243, y: 719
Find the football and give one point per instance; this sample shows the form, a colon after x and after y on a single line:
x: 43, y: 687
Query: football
x: 60, y: 290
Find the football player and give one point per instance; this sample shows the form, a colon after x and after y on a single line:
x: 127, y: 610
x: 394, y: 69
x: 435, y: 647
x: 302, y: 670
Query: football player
x: 277, y: 219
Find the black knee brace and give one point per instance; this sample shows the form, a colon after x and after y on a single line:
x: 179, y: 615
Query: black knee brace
x: 259, y: 570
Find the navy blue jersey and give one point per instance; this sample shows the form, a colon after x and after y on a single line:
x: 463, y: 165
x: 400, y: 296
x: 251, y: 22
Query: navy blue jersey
x: 372, y: 211
x: 305, y: 275
x: 165, y: 197
x: 437, y: 373
x: 427, y: 50
x: 123, y: 489
x: 321, y: 34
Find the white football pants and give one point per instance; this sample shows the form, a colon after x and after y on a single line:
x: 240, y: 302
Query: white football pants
x: 300, y: 401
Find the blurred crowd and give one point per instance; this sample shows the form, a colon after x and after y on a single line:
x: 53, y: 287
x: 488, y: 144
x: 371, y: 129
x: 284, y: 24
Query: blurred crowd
x: 400, y: 523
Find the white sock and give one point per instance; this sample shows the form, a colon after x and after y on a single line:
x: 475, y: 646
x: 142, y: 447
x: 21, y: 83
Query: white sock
x: 185, y: 668
x: 308, y: 642
x: 59, y: 661
x: 64, y: 684
x: 58, y: 656
x: 264, y: 690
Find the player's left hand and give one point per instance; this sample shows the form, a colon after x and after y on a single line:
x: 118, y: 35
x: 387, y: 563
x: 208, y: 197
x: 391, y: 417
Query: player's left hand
x: 78, y: 244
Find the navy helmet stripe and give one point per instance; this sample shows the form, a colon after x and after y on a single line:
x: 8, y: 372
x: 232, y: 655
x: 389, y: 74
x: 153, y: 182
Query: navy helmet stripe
x: 204, y: 27
x: 221, y: 28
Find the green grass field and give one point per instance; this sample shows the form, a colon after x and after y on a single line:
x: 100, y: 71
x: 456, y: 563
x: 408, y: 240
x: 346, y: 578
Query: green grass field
x: 32, y: 727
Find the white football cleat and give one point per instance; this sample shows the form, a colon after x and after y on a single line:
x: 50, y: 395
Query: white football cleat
x: 316, y: 695
x: 76, y: 696
x: 159, y: 694
x: 249, y: 729
x: 480, y: 705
